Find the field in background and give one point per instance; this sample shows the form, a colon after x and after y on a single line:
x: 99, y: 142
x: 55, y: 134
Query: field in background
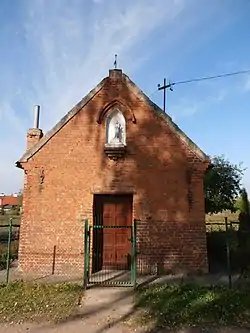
x: 220, y: 217
x: 4, y: 231
x: 4, y: 219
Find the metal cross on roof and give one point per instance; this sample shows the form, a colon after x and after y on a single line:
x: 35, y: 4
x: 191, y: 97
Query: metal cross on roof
x: 115, y: 62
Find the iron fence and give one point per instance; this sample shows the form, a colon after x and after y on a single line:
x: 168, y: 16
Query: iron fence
x: 108, y: 263
x: 9, y: 242
x: 228, y: 248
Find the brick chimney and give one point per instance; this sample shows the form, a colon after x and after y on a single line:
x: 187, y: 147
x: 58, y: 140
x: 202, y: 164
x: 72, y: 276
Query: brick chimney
x: 34, y: 134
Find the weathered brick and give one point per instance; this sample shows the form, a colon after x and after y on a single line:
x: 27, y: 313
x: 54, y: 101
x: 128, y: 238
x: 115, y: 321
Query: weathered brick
x: 62, y: 177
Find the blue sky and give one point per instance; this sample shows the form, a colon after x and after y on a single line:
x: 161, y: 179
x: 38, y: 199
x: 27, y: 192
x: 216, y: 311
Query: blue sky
x: 54, y: 52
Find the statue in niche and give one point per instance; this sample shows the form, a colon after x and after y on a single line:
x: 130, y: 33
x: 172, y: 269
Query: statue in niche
x: 116, y: 129
x: 118, y: 138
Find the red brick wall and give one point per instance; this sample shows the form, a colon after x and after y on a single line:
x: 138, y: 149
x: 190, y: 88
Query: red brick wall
x: 63, y: 176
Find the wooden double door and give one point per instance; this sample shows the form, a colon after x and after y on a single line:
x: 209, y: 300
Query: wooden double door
x: 112, y: 228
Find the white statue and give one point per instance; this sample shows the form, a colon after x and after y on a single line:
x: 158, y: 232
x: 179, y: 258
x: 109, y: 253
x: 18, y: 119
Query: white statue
x: 116, y: 129
x: 118, y: 133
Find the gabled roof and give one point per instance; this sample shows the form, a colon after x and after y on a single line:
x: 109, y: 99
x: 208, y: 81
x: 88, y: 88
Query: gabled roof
x: 172, y: 125
x: 139, y: 93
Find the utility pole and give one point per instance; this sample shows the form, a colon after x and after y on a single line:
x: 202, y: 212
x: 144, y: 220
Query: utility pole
x: 164, y: 87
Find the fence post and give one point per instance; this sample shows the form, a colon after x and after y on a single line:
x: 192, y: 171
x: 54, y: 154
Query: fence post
x: 228, y: 254
x: 54, y: 260
x: 86, y: 254
x: 134, y: 259
x: 8, y: 252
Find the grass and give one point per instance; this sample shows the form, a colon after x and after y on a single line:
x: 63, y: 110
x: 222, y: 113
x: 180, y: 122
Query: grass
x: 175, y: 307
x: 21, y: 301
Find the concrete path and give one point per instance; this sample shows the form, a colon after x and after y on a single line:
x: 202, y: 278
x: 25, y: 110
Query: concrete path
x: 102, y: 310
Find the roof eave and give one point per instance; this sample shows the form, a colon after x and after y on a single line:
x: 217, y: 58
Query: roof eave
x: 204, y: 157
x: 18, y: 165
x: 33, y: 150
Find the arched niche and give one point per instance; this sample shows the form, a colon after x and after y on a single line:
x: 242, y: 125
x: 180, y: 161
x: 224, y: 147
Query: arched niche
x: 115, y: 129
x: 116, y: 105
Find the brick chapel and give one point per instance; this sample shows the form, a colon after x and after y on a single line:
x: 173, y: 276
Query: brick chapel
x: 116, y: 157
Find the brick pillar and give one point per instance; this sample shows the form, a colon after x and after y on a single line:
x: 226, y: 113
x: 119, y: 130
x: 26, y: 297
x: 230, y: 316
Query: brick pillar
x: 33, y: 136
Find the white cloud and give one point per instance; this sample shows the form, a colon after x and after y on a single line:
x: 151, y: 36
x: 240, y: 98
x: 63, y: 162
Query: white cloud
x: 75, y: 51
x: 67, y: 47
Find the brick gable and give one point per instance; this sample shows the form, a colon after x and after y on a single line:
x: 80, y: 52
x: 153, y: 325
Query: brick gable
x: 162, y: 168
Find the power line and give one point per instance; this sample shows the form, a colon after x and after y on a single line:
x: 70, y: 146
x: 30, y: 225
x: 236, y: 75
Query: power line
x: 170, y: 85
x: 211, y: 77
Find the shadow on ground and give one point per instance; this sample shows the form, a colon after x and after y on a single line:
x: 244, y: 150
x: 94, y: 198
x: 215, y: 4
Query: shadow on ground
x: 176, y: 306
x: 101, y: 310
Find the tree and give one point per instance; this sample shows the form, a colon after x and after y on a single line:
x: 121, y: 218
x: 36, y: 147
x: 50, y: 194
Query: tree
x: 222, y: 185
x: 241, y: 202
x: 244, y: 217
x: 244, y: 231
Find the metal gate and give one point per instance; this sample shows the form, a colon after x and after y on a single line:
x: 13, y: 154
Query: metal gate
x: 110, y: 268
